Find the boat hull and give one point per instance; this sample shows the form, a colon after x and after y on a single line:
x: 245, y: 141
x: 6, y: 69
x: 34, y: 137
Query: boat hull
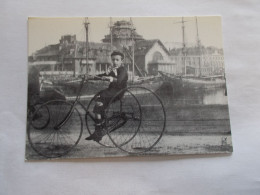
x: 70, y: 89
x: 186, y: 83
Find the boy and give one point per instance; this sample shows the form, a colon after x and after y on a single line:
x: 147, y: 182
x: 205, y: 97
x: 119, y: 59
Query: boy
x: 117, y: 76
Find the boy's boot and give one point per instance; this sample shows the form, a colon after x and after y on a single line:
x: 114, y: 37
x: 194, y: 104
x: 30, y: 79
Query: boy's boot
x: 98, y: 134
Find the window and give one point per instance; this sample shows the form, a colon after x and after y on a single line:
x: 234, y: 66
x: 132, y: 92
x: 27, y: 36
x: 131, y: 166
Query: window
x: 157, y: 56
x: 71, y: 51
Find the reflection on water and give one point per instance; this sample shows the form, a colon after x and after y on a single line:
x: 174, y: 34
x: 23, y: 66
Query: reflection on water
x: 190, y: 96
x: 216, y: 96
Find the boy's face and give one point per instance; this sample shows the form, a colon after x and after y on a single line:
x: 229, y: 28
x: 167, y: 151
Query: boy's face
x: 117, y: 61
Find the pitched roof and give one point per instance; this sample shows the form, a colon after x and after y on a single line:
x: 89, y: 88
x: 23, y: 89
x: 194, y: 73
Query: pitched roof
x: 143, y: 46
x: 94, y: 45
x: 196, y: 51
x: 49, y: 50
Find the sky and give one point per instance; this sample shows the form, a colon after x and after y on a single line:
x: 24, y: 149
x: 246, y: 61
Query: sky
x: 46, y: 31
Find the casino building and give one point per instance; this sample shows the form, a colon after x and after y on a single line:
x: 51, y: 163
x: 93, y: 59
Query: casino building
x: 70, y: 56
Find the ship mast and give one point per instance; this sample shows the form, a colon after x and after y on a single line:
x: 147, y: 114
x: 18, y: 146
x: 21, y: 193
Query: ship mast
x: 199, y: 46
x: 133, y: 48
x: 184, y: 49
x: 184, y: 46
x: 111, y: 34
x: 86, y: 23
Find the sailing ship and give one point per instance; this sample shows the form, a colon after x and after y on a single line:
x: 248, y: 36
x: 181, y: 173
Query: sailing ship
x: 186, y: 81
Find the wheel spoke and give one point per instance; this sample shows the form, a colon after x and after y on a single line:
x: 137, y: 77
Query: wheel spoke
x: 146, y: 121
x: 50, y: 142
x: 90, y: 124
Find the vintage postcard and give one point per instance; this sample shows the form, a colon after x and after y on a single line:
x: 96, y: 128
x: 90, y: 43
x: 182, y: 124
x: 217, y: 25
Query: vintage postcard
x: 126, y: 86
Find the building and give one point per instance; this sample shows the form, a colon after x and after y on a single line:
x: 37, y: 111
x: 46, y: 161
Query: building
x: 70, y: 55
x: 204, y: 62
x: 46, y: 59
x: 151, y: 56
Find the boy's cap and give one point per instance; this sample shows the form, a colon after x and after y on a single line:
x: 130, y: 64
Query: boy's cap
x: 117, y: 53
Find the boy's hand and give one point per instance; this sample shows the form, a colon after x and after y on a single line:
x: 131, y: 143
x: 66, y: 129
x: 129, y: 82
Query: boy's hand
x: 110, y: 79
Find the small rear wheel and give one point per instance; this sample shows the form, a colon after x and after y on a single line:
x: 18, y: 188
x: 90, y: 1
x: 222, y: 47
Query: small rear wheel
x: 61, y: 134
x: 41, y: 119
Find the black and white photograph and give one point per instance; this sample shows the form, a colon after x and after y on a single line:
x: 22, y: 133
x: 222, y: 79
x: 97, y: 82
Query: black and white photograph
x: 126, y: 86
x: 129, y: 97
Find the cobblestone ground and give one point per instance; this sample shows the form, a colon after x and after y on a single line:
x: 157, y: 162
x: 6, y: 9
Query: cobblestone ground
x: 168, y: 145
x: 189, y: 130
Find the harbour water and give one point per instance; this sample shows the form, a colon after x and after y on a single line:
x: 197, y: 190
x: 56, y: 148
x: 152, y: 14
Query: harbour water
x: 211, y: 96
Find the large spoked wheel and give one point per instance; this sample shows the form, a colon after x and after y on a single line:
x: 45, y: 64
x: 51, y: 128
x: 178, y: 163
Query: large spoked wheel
x: 144, y: 120
x: 61, y: 134
x: 123, y: 123
x: 90, y: 123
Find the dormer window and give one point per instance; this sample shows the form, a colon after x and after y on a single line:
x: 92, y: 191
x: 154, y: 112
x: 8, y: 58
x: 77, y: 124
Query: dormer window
x: 71, y: 51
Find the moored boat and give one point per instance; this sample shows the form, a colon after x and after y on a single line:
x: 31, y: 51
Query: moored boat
x: 193, y: 82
